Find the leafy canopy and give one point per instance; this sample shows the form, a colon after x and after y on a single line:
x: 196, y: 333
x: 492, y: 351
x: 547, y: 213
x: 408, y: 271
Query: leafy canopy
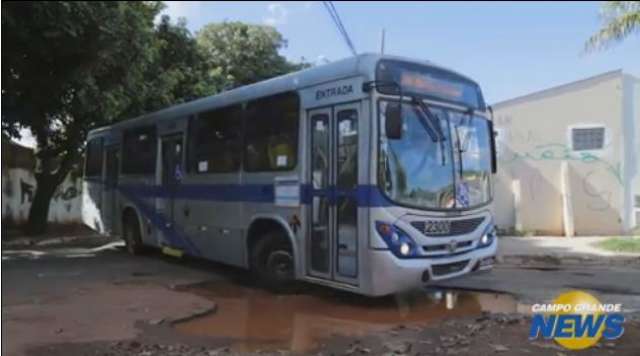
x: 621, y: 19
x: 239, y: 54
x: 69, y: 67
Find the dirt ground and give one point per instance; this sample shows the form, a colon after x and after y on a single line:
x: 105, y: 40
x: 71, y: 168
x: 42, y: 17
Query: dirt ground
x: 483, y: 335
x: 72, y: 298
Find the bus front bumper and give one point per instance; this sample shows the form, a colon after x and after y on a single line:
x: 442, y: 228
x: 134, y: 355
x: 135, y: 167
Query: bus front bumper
x: 391, y: 274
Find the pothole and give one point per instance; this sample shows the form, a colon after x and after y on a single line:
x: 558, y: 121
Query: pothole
x: 254, y: 319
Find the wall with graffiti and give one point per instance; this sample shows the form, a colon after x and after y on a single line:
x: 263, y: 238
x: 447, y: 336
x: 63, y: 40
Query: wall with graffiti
x: 18, y: 189
x: 540, y: 169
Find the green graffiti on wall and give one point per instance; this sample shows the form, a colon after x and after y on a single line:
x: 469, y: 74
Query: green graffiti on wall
x: 560, y: 152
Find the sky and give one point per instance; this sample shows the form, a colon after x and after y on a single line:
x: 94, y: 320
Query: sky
x: 510, y: 49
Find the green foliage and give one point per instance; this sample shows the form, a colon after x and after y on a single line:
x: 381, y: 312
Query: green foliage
x: 69, y: 67
x: 239, y: 54
x: 621, y: 244
x: 621, y: 18
x: 177, y: 72
x: 64, y: 64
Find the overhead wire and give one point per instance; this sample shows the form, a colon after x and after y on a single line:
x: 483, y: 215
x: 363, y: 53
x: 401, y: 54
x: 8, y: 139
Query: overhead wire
x: 335, y: 17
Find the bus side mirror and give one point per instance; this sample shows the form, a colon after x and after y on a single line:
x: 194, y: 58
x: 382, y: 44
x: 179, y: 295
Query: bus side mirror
x: 494, y: 156
x: 393, y: 121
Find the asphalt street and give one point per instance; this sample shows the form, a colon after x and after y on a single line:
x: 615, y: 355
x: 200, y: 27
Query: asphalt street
x: 56, y: 298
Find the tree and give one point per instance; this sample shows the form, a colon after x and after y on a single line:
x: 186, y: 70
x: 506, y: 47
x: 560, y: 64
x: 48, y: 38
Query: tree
x: 69, y: 67
x: 621, y: 18
x: 177, y: 72
x: 239, y: 54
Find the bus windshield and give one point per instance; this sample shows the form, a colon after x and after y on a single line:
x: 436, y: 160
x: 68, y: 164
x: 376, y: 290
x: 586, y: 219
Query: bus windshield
x: 472, y: 141
x: 419, y: 172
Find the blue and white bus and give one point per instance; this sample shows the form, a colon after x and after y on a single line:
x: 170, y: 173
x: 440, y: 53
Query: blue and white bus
x: 370, y: 174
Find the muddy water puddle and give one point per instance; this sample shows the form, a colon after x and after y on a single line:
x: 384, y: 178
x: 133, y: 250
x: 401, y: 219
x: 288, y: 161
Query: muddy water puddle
x: 254, y: 319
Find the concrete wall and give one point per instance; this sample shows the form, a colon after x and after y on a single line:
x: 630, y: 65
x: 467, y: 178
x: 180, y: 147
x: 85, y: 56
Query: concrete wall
x: 18, y: 189
x: 533, y: 142
x: 633, y: 121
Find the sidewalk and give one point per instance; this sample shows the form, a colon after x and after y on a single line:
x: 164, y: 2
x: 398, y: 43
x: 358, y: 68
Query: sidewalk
x: 81, y: 239
x: 559, y: 250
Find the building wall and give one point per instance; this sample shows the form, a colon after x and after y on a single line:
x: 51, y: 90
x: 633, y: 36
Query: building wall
x: 18, y: 190
x: 533, y: 142
x: 19, y: 187
x: 633, y: 123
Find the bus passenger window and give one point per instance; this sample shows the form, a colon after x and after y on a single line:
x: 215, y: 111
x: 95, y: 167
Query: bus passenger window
x: 279, y: 151
x: 272, y: 133
x: 142, y: 141
x: 216, y: 143
x: 93, y: 162
x: 347, y: 149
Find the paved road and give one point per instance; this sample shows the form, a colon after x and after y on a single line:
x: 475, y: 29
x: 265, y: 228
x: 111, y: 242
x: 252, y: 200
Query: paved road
x: 63, y: 296
x: 611, y: 284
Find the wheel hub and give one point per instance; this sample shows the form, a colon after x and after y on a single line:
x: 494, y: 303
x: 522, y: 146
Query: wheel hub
x: 280, y: 263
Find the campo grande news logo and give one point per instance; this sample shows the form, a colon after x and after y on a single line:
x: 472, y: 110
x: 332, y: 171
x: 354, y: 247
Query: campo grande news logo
x: 576, y: 320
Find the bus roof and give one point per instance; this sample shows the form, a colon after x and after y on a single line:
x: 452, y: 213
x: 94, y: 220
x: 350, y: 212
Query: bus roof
x: 360, y: 65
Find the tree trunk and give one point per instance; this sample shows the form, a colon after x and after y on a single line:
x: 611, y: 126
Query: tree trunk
x: 54, y: 162
x: 46, y: 185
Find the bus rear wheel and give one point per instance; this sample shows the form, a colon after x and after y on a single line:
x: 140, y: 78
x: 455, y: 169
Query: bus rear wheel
x: 272, y: 262
x: 131, y: 234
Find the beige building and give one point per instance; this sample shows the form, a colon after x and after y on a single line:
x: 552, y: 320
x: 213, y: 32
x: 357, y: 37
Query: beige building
x: 568, y: 158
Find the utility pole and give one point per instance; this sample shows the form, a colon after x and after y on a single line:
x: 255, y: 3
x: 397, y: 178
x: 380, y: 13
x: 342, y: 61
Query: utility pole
x: 382, y: 42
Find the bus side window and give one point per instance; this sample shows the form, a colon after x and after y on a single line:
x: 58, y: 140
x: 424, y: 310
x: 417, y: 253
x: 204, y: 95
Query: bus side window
x: 142, y: 141
x: 272, y: 133
x: 217, y: 141
x: 93, y: 162
x: 347, y: 149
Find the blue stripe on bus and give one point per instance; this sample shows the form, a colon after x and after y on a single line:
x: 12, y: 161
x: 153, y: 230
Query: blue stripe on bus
x: 213, y: 192
x: 365, y: 195
x: 177, y: 239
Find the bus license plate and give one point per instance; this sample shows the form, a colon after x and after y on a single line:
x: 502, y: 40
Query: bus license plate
x: 437, y: 227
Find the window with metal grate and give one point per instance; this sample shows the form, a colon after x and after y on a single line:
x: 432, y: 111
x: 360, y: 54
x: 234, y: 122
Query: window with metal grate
x: 587, y: 138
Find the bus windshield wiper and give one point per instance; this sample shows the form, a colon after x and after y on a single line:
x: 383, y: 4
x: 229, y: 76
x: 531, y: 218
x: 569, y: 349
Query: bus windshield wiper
x: 432, y: 126
x: 462, y: 147
x: 466, y: 120
x: 430, y: 120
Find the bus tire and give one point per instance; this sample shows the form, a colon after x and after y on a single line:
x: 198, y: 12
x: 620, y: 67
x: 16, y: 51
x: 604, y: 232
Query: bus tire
x: 272, y: 262
x: 131, y: 234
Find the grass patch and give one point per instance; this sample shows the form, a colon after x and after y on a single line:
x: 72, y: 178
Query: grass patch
x: 621, y: 244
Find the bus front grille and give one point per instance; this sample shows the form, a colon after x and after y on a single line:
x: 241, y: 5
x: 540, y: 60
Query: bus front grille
x: 462, y: 245
x: 457, y: 227
x: 448, y: 268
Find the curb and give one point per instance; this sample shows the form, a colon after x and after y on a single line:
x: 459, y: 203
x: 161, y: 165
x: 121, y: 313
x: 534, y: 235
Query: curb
x: 56, y: 241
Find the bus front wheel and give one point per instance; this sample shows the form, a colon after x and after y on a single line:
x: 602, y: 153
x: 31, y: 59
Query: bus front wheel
x: 272, y: 262
x: 132, y: 238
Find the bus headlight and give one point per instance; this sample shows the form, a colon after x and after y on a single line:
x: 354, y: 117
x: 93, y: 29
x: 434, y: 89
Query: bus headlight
x: 405, y: 249
x: 488, y: 236
x: 399, y: 242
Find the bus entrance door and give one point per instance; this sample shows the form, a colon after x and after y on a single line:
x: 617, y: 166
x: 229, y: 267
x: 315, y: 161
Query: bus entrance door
x: 332, y: 244
x: 171, y: 176
x: 110, y: 193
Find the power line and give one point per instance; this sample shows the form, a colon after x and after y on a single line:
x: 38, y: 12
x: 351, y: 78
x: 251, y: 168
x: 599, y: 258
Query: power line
x: 340, y: 25
x: 338, y: 22
x: 344, y: 30
x: 335, y: 20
